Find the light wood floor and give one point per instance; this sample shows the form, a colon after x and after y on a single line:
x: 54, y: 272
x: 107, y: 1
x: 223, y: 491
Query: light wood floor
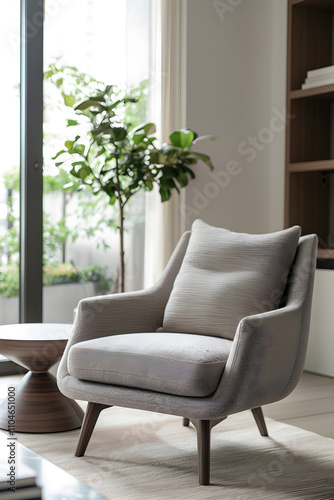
x: 310, y: 406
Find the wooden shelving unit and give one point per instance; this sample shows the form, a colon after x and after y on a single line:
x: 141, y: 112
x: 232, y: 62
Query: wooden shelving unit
x: 309, y: 139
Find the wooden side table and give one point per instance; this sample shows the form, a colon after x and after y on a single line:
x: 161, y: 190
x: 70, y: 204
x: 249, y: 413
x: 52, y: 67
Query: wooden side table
x: 39, y: 405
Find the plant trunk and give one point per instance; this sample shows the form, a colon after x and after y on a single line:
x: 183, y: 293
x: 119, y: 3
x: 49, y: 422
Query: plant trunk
x: 121, y: 248
x: 10, y: 211
x: 63, y: 245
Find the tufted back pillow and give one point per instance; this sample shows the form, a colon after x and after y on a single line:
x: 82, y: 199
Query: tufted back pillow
x: 226, y: 276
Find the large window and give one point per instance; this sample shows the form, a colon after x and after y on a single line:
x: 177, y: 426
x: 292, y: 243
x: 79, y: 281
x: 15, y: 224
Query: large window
x: 107, y: 41
x: 98, y: 46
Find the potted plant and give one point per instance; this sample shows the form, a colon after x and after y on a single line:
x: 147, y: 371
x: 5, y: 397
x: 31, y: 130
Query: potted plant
x: 118, y: 160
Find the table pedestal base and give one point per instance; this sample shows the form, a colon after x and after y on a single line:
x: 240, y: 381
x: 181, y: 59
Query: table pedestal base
x: 40, y: 407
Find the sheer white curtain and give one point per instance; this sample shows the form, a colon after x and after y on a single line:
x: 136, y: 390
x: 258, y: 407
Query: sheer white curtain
x: 163, y: 223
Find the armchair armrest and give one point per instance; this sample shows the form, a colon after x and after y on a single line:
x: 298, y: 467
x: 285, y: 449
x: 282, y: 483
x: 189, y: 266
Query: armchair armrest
x: 255, y: 374
x: 269, y: 349
x: 129, y: 312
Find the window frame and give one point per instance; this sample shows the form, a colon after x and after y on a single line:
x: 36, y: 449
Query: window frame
x: 31, y: 168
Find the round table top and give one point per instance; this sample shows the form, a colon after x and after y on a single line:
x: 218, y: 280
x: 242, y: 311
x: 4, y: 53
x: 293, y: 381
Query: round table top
x: 36, y: 331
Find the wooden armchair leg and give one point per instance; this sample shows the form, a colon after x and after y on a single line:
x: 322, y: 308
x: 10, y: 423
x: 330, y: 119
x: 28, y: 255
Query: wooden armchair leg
x: 260, y: 422
x: 92, y: 413
x: 203, y: 443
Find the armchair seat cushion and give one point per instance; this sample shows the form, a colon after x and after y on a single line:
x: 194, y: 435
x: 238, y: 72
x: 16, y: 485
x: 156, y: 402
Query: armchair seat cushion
x: 173, y: 363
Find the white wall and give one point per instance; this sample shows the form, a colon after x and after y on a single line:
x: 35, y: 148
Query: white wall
x: 236, y: 54
x: 236, y: 82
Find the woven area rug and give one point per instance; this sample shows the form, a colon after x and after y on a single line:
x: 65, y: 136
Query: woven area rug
x: 136, y: 455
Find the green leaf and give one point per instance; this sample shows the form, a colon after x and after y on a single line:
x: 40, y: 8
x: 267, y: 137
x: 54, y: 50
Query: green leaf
x: 205, y: 158
x: 169, y: 150
x: 147, y: 128
x: 150, y: 128
x: 69, y: 101
x: 138, y: 138
x: 69, y: 144
x: 71, y: 123
x: 87, y: 103
x: 99, y: 97
x: 189, y: 160
x: 182, y: 179
x: 112, y: 200
x: 168, y: 183
x: 189, y: 171
x: 84, y: 172
x: 118, y: 133
x: 81, y: 172
x: 204, y: 138
x: 164, y: 194
x: 169, y: 172
x: 76, y: 163
x: 114, y: 105
x: 130, y: 99
x: 58, y: 154
x: 182, y: 138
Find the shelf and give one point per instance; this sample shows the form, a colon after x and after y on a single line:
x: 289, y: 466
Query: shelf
x: 312, y: 166
x: 326, y: 253
x: 314, y: 4
x: 323, y: 92
x: 325, y: 258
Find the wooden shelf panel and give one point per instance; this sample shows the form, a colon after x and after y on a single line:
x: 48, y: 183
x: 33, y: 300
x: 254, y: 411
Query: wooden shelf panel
x: 315, y: 4
x: 325, y: 253
x: 312, y: 166
x: 323, y: 92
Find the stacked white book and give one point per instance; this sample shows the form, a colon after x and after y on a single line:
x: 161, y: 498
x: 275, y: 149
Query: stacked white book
x: 318, y: 77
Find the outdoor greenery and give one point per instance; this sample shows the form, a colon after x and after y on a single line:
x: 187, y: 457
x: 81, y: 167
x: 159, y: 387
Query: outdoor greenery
x: 56, y: 233
x: 54, y: 275
x: 116, y: 159
x: 9, y: 281
x: 113, y: 155
x: 55, y: 236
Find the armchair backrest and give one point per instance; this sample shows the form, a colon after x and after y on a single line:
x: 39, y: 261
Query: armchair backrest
x: 225, y: 276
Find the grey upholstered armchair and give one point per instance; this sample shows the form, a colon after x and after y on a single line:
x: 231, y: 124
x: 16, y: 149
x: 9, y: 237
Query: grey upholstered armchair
x: 224, y: 330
